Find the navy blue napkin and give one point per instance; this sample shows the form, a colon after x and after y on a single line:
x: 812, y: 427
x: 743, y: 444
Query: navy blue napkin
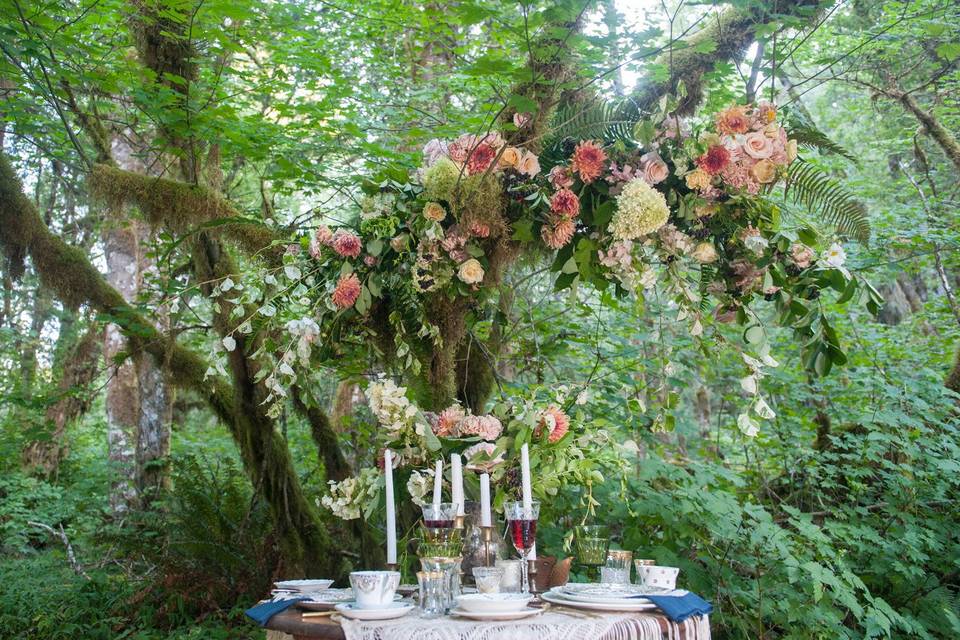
x: 679, y: 608
x: 262, y: 613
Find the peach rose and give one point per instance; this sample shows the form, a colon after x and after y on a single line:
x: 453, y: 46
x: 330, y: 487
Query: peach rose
x: 791, y: 150
x: 764, y: 171
x: 698, y: 179
x: 434, y: 211
x: 529, y: 164
x: 757, y: 146
x: 510, y: 157
x: 471, y: 271
x: 733, y: 120
x: 654, y: 168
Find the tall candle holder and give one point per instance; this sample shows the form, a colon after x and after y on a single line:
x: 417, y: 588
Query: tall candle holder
x: 532, y: 576
x: 486, y: 537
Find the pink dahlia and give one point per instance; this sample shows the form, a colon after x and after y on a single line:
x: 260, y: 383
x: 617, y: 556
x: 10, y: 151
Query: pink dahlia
x: 347, y: 291
x: 714, y: 160
x: 555, y: 421
x: 446, y: 423
x: 566, y: 203
x: 588, y: 160
x: 480, y: 158
x: 486, y: 427
x: 557, y: 232
x: 561, y: 177
x: 346, y: 243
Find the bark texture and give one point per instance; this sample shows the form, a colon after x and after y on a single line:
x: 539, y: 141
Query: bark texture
x: 733, y: 31
x: 71, y: 401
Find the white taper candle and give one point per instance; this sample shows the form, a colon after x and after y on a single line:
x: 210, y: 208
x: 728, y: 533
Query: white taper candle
x: 437, y: 482
x: 391, y: 509
x: 485, y: 519
x: 456, y: 482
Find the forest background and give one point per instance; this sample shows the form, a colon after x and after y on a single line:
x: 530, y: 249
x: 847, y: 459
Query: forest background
x: 127, y: 508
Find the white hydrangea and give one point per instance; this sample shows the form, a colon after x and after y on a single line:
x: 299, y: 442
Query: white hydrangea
x: 420, y: 485
x: 641, y: 209
x: 348, y: 498
x: 390, y: 405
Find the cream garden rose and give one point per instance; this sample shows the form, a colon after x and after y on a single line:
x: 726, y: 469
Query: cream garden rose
x: 471, y: 271
x: 529, y: 164
x: 758, y: 146
x: 704, y: 253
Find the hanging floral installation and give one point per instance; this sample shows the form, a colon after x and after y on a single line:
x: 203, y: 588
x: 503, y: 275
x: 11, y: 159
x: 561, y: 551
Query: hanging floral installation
x: 687, y: 211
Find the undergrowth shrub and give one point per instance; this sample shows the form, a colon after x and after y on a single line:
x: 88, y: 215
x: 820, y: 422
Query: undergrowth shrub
x: 210, y: 543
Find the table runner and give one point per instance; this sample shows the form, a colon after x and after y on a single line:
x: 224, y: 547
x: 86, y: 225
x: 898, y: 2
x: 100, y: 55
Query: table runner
x: 551, y: 625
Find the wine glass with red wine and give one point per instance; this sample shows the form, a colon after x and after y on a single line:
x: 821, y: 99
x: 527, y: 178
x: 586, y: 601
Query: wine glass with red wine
x: 439, y: 521
x: 522, y: 523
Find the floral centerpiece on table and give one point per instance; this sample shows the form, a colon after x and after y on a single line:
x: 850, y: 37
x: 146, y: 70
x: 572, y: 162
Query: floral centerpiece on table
x: 565, y: 453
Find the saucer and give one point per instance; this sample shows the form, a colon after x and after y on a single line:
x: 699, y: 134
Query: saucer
x: 303, y: 585
x: 393, y: 610
x: 496, y: 615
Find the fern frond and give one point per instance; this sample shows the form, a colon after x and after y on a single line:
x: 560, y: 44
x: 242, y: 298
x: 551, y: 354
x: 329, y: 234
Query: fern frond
x: 809, y: 136
x: 598, y: 120
x: 809, y: 186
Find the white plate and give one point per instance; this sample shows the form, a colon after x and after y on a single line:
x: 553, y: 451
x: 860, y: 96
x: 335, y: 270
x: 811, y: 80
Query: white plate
x: 493, y: 602
x: 607, y: 595
x: 637, y: 604
x: 395, y: 610
x: 496, y: 615
x: 303, y: 585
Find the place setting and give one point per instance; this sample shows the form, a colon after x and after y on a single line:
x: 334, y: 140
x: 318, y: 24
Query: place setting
x: 475, y: 568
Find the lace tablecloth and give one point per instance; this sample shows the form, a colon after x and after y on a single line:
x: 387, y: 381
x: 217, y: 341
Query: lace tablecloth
x: 554, y: 624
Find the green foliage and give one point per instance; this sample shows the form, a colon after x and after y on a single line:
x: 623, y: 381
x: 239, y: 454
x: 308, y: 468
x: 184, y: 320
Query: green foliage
x: 809, y: 186
x: 809, y: 136
x: 211, y: 541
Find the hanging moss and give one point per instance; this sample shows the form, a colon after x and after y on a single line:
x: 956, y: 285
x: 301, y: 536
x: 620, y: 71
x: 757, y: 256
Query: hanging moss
x: 440, y: 180
x: 479, y: 199
x: 180, y: 207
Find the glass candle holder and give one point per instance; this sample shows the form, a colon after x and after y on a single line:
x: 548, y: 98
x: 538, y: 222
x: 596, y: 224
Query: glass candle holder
x: 616, y: 569
x: 487, y: 579
x: 510, y: 578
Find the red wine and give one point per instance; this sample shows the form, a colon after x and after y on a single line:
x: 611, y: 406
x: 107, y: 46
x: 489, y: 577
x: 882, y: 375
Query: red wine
x: 438, y: 524
x: 524, y: 533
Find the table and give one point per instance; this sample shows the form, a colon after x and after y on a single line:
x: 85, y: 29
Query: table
x: 291, y: 622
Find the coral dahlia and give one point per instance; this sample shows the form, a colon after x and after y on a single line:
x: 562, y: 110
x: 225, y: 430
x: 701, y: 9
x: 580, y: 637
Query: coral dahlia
x: 346, y: 243
x: 566, y: 203
x: 557, y: 231
x: 588, y: 160
x: 714, y: 160
x: 347, y: 291
x: 555, y: 421
x: 480, y: 158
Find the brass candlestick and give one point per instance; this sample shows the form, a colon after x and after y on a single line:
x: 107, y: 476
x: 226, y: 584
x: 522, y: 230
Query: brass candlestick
x: 458, y: 521
x: 392, y: 566
x: 486, y: 536
x: 532, y: 576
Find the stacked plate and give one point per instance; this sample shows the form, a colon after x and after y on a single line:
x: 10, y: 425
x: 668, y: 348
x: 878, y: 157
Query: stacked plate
x: 601, y: 597
x: 494, y: 606
x: 303, y: 586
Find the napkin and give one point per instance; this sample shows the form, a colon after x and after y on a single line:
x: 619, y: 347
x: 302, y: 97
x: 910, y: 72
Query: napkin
x: 262, y: 612
x: 680, y: 607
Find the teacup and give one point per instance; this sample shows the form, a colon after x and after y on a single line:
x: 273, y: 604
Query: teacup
x: 657, y: 577
x: 374, y: 589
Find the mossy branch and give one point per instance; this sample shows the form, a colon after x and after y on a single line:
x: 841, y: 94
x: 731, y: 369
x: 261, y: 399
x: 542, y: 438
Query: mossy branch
x: 182, y: 208
x: 731, y: 34
x: 67, y: 272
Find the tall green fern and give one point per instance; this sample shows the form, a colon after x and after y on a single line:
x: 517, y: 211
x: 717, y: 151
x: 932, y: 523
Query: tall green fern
x: 809, y: 136
x: 809, y: 186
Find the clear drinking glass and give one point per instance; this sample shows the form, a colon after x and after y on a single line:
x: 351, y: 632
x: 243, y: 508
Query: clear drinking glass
x: 487, y: 579
x: 616, y: 570
x: 440, y: 516
x: 432, y: 596
x: 510, y: 579
x: 523, y: 532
